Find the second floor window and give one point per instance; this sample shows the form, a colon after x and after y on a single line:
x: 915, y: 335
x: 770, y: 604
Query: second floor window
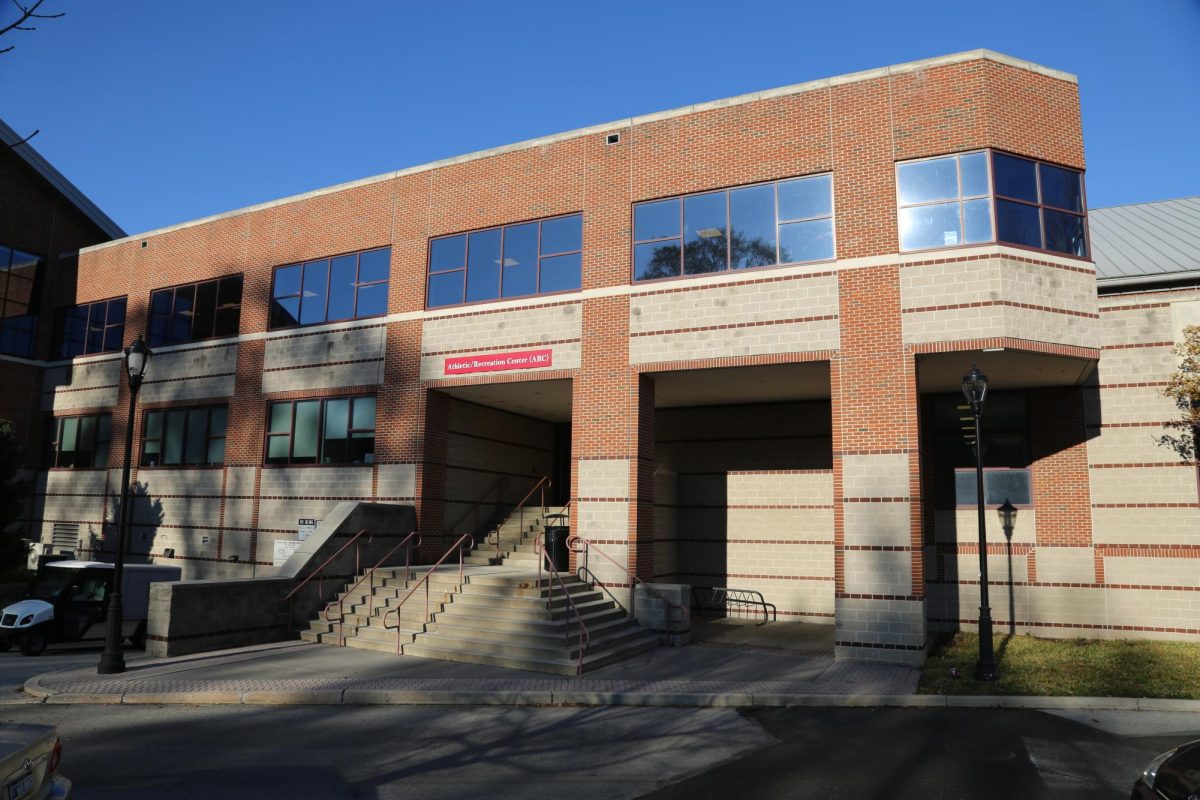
x: 18, y: 301
x: 330, y: 289
x: 510, y: 261
x: 334, y: 430
x: 91, y: 328
x: 784, y: 222
x: 195, y: 311
x: 184, y: 437
x: 79, y: 442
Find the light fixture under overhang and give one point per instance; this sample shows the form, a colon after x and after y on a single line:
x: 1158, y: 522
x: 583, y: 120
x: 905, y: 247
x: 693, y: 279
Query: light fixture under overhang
x: 993, y: 349
x: 709, y: 233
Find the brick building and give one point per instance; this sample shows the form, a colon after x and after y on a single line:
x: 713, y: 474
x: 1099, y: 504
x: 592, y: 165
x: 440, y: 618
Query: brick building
x: 732, y: 334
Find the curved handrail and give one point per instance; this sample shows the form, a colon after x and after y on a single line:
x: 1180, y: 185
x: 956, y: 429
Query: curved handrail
x: 739, y: 598
x: 585, y: 636
x: 495, y: 532
x: 575, y: 539
x: 503, y: 480
x: 466, y: 537
x: 318, y: 570
x: 341, y: 601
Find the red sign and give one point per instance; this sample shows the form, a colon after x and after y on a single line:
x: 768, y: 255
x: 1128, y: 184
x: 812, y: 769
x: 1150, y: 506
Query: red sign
x: 499, y: 362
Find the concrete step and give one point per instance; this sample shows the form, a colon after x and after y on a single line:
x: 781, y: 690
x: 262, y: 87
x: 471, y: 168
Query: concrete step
x: 534, y: 601
x: 602, y: 632
x: 536, y: 613
x: 552, y: 665
x: 508, y: 622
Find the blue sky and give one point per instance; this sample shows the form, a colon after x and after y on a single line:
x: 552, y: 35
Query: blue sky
x: 163, y: 112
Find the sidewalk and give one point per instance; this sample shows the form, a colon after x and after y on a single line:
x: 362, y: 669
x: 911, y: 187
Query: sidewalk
x: 739, y: 666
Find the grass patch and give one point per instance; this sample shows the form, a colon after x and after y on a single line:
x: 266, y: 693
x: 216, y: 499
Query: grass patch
x: 1067, y: 667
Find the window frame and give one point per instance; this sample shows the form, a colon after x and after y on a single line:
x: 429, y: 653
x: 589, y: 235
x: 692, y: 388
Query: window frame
x: 35, y: 283
x: 60, y: 325
x: 54, y: 441
x: 992, y: 504
x: 320, y: 432
x: 993, y: 196
x: 151, y: 317
x: 726, y: 191
x: 208, y: 437
x: 325, y: 320
x: 500, y: 297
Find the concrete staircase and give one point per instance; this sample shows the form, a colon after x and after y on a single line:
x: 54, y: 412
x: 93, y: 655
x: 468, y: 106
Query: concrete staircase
x: 498, y: 616
x: 517, y: 537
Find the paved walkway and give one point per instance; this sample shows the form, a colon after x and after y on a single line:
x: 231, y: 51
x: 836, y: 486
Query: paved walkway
x: 783, y: 664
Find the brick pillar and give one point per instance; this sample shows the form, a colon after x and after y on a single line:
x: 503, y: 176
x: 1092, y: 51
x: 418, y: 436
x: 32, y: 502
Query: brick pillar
x: 878, y: 571
x: 1062, y: 494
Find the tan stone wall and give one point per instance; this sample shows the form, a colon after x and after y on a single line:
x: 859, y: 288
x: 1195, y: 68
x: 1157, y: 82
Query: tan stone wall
x: 84, y: 384
x: 556, y: 326
x: 340, y: 357
x: 192, y: 373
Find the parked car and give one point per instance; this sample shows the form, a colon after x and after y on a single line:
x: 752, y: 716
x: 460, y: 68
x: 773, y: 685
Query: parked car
x: 67, y: 601
x: 1174, y: 775
x: 29, y: 758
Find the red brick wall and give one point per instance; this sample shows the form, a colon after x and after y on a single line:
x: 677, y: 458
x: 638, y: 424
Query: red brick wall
x: 1058, y: 447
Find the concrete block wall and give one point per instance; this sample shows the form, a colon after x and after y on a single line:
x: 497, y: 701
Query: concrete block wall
x: 556, y: 325
x: 191, y: 374
x: 84, y: 384
x: 345, y: 356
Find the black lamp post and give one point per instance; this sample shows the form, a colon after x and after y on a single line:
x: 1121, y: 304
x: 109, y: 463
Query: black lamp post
x: 974, y: 386
x: 112, y: 660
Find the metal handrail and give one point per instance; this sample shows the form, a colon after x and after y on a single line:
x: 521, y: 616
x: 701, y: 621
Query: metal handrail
x: 370, y: 573
x: 317, y: 572
x: 585, y: 636
x: 466, y: 537
x: 576, y: 539
x: 544, y: 483
x: 498, y: 483
x: 738, y: 598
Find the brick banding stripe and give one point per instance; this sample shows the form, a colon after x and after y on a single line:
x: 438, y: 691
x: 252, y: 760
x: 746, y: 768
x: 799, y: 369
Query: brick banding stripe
x: 1133, y: 307
x: 1008, y: 303
x: 879, y: 645
x: 1133, y: 345
x: 767, y: 359
x: 520, y: 376
x: 1072, y: 625
x: 500, y: 349
x: 734, y: 326
x: 1144, y: 464
x: 990, y: 256
x: 1007, y: 343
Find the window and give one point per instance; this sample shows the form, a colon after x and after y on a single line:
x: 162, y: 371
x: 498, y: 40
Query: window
x: 184, y: 437
x: 784, y: 222
x: 19, y: 273
x: 80, y: 442
x: 999, y: 485
x: 352, y: 286
x: 195, y: 311
x: 948, y: 201
x: 1005, y: 451
x: 336, y: 430
x: 511, y: 261
x: 91, y: 328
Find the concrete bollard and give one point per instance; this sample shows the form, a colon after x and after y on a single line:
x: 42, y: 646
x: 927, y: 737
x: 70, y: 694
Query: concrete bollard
x: 671, y: 621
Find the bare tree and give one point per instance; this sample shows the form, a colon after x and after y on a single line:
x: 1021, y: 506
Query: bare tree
x: 27, y: 13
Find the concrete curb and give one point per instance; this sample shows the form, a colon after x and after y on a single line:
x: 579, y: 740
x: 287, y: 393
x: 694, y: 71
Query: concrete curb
x: 467, y: 697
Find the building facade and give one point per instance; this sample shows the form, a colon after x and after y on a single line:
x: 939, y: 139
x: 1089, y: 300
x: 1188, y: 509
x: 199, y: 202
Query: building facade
x: 732, y: 336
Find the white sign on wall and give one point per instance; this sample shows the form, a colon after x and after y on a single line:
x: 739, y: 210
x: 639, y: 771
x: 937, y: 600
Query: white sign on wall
x: 284, y: 549
x: 306, y: 528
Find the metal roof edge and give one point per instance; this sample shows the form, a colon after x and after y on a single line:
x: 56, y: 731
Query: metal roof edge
x: 1147, y: 280
x: 33, y: 158
x: 783, y: 91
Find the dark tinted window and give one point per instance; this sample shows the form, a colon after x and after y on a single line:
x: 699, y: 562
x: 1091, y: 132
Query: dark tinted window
x: 195, y: 311
x: 1018, y: 223
x: 184, y: 436
x: 1015, y: 177
x: 80, y: 442
x: 20, y: 286
x: 91, y: 328
x: 351, y: 286
x: 1061, y: 188
x: 336, y: 430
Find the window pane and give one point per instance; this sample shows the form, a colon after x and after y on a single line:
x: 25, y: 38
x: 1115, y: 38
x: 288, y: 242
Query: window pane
x: 185, y: 302
x: 197, y: 438
x: 1064, y: 232
x: 364, y: 413
x: 974, y: 169
x: 95, y: 328
x: 227, y: 321
x: 85, y: 445
x: 337, y: 421
x: 562, y: 235
x: 923, y: 181
x: 374, y: 265
x: 229, y: 306
x: 115, y: 312
x: 806, y: 241
x: 104, y: 428
x: 929, y: 226
x: 966, y: 491
x: 304, y: 444
x: 361, y: 448
x: 1015, y: 177
x: 752, y: 216
x: 705, y: 247
x: 277, y: 449
x: 287, y: 281
x: 70, y: 431
x: 1061, y: 188
x: 229, y: 294
x: 1009, y: 484
x: 445, y: 289
x: 114, y: 337
x: 160, y: 303
x: 205, y: 317
x: 285, y: 312
x: 449, y: 252
x: 372, y: 300
x: 154, y: 423
x: 657, y: 260
x: 312, y: 298
x: 343, y: 276
x: 562, y: 273
x: 5, y: 257
x: 806, y: 197
x: 218, y: 418
x: 520, y: 260
x: 483, y: 265
x: 1018, y: 223
x: 658, y: 220
x: 977, y: 217
x: 173, y: 438
x: 281, y: 418
x: 216, y: 452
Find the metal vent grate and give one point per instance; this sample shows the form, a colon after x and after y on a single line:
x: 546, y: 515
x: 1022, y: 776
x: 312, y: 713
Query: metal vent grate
x: 64, y: 537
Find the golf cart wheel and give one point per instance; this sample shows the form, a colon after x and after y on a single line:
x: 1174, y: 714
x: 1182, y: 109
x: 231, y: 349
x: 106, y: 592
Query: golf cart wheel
x: 33, y: 643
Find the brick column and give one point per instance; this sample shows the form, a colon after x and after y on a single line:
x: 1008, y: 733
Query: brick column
x: 1061, y: 487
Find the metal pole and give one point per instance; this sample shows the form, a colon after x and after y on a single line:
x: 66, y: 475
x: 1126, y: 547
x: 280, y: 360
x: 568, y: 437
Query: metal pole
x: 985, y: 669
x: 112, y: 660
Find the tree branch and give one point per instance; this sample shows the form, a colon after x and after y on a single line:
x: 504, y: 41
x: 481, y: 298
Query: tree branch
x: 26, y: 139
x: 27, y: 13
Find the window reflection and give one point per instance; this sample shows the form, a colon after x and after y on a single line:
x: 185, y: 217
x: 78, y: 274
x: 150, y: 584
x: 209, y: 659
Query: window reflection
x: 351, y: 286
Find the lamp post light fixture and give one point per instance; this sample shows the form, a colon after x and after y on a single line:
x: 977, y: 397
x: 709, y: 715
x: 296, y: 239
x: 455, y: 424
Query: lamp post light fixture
x: 974, y: 387
x: 1008, y: 517
x: 112, y: 660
